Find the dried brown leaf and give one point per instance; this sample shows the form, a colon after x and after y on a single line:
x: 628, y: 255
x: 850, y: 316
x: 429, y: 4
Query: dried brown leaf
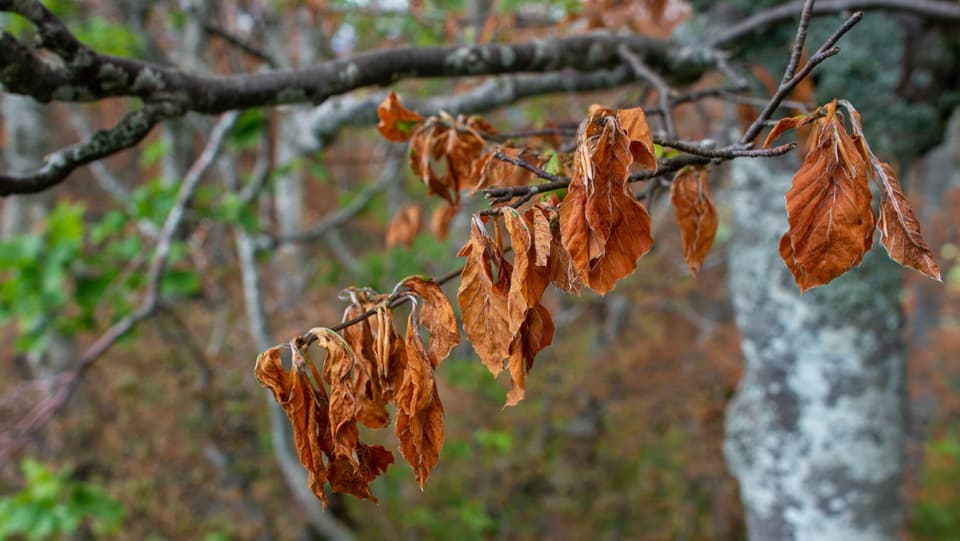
x: 534, y: 335
x: 604, y: 229
x: 527, y: 281
x: 634, y: 122
x: 404, y: 227
x: 828, y: 207
x: 900, y: 229
x: 484, y: 287
x: 437, y: 316
x: 421, y: 437
x: 696, y: 215
x: 396, y: 122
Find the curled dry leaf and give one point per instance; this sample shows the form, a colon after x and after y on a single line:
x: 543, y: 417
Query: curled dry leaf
x: 534, y: 335
x: 305, y: 407
x: 419, y: 412
x: 483, y: 293
x: 459, y: 143
x: 397, y: 123
x: 491, y: 171
x: 828, y: 207
x: 696, y: 215
x: 528, y: 281
x: 368, y: 386
x: 785, y: 124
x: 634, y: 122
x: 337, y: 372
x: 604, y: 229
x: 900, y: 228
x: 404, y: 227
x: 441, y: 219
x: 437, y: 315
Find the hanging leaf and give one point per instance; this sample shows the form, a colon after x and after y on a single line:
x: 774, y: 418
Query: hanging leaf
x: 534, y: 335
x: 785, y: 124
x: 696, y: 215
x: 305, y: 407
x: 604, y: 229
x: 634, y: 122
x: 396, y: 122
x: 367, y: 387
x: 441, y: 219
x: 528, y: 281
x: 900, y: 228
x: 372, y: 461
x: 404, y: 227
x: 337, y: 372
x: 492, y: 171
x: 420, y: 414
x: 828, y: 207
x: 484, y: 287
x: 436, y: 314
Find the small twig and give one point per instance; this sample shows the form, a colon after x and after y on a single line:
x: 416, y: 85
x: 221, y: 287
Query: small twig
x: 239, y: 43
x: 520, y: 162
x: 799, y: 42
x: 826, y: 51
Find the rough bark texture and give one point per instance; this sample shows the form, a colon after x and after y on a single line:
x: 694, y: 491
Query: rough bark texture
x: 815, y: 431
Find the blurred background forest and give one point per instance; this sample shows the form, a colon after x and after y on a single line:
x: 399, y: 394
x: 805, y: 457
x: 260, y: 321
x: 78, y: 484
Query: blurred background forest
x: 169, y: 436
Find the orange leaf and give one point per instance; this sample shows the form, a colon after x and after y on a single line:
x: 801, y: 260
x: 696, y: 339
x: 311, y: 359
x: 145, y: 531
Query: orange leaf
x: 491, y: 171
x: 535, y: 335
x: 696, y: 215
x: 367, y: 388
x: 421, y: 436
x: 441, y: 219
x: 785, y: 124
x: 604, y: 229
x: 337, y: 371
x: 634, y: 122
x: 396, y: 122
x: 372, y: 460
x: 900, y: 229
x: 484, y: 285
x: 527, y: 281
x: 436, y: 314
x: 828, y: 208
x: 404, y: 226
x: 306, y: 411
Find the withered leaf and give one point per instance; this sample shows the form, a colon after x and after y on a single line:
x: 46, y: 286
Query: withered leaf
x: 534, y: 335
x: 491, y: 171
x: 786, y: 124
x: 372, y: 461
x: 441, y: 219
x: 367, y: 388
x: 604, y: 229
x: 527, y: 281
x: 421, y: 436
x: 828, y: 207
x: 634, y: 122
x: 696, y: 215
x: 484, y: 286
x: 900, y: 228
x: 305, y: 407
x: 437, y: 315
x: 337, y: 370
x: 396, y: 122
x: 404, y: 227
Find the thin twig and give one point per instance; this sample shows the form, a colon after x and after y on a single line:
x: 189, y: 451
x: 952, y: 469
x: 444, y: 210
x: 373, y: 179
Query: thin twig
x: 664, y: 92
x: 799, y: 42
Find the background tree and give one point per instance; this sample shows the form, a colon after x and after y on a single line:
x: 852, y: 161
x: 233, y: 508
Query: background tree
x: 160, y: 258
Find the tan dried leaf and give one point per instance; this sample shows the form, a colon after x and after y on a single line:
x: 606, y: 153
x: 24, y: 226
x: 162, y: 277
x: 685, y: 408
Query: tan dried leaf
x: 441, y: 219
x: 337, y: 371
x: 437, y: 315
x: 828, y: 207
x: 484, y: 286
x: 396, y: 122
x: 421, y: 437
x: 527, y: 281
x: 900, y: 229
x: 634, y: 122
x: 404, y: 227
x: 696, y: 215
x: 534, y: 335
x: 604, y: 229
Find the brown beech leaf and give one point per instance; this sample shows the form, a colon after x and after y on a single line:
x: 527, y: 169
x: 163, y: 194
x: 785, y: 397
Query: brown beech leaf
x: 306, y: 408
x: 491, y: 171
x: 534, y: 335
x: 459, y: 143
x: 404, y: 227
x: 527, y: 281
x: 373, y: 461
x: 421, y: 437
x: 604, y: 229
x: 634, y: 122
x: 900, y: 228
x: 396, y: 122
x: 437, y: 315
x: 367, y: 388
x: 484, y: 286
x: 426, y: 146
x: 337, y: 370
x: 414, y: 393
x: 828, y: 208
x: 696, y: 215
x: 785, y: 124
x: 542, y: 234
x: 441, y: 219
x: 390, y: 351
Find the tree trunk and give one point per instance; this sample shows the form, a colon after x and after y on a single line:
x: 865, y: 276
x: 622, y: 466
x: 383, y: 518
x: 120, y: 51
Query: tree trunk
x: 815, y: 432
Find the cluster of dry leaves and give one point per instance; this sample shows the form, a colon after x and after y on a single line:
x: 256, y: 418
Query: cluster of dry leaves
x: 591, y: 238
x: 367, y: 367
x: 829, y: 206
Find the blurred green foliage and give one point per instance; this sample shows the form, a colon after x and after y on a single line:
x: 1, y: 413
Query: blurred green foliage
x: 53, y: 505
x: 936, y: 516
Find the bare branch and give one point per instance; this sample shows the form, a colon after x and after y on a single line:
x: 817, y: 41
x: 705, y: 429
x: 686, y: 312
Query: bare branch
x: 664, y: 92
